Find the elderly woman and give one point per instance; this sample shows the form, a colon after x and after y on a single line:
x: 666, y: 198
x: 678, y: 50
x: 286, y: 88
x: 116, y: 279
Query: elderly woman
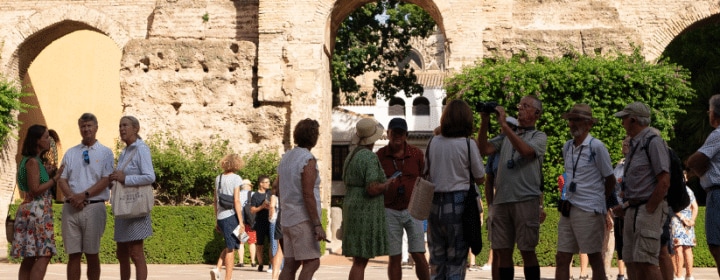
x: 33, y: 239
x: 450, y: 156
x: 228, y: 216
x: 364, y: 226
x: 135, y: 168
x: 299, y: 192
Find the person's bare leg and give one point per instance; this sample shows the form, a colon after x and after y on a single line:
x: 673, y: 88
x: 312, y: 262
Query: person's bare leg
x: 26, y: 267
x: 259, y: 254
x: 621, y: 267
x: 689, y: 260
x: 583, y: 265
x: 123, y: 255
x: 715, y: 252
x: 73, y: 266
x: 666, y: 267
x: 229, y: 260
x: 563, y: 261
x: 422, y: 269
x: 39, y: 268
x: 394, y: 271
x: 357, y: 271
x: 290, y: 268
x: 221, y: 259
x: 253, y: 250
x: 677, y: 261
x: 93, y: 266
x: 308, y: 269
x: 138, y: 257
x: 241, y: 253
x: 277, y: 261
x: 646, y: 271
x: 597, y: 264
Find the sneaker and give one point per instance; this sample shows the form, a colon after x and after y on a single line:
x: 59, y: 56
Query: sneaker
x: 260, y: 268
x: 473, y: 268
x: 486, y: 267
x: 621, y: 277
x: 240, y: 265
x: 689, y: 278
x: 214, y: 274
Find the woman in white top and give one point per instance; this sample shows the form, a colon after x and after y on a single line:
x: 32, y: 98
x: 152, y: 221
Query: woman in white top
x: 228, y: 185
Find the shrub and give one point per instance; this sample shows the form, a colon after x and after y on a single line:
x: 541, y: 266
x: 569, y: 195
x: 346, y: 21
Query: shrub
x: 260, y: 163
x: 607, y: 84
x: 10, y: 104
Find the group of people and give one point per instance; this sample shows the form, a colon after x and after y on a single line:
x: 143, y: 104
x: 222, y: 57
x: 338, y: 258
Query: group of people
x: 85, y: 178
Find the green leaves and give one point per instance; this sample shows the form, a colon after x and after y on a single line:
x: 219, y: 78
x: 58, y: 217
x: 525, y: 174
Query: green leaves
x: 607, y: 84
x: 10, y: 105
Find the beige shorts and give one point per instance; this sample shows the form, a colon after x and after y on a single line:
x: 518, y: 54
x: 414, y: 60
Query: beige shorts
x: 580, y: 233
x: 641, y: 234
x: 83, y: 229
x: 515, y: 222
x: 299, y: 242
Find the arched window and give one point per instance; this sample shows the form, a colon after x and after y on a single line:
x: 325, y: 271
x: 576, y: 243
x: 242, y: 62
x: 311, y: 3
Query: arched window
x: 421, y: 106
x: 397, y: 107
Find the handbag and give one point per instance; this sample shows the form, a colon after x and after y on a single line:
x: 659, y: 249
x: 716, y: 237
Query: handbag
x: 420, y: 202
x: 9, y: 229
x: 131, y: 202
x: 472, y: 227
x: 225, y: 201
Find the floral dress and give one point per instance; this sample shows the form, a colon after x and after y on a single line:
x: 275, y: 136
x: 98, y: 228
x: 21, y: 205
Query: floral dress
x: 364, y: 226
x: 34, y: 230
x: 682, y: 235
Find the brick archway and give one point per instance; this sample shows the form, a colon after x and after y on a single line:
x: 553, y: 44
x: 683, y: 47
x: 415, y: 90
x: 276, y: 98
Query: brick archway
x: 694, y: 13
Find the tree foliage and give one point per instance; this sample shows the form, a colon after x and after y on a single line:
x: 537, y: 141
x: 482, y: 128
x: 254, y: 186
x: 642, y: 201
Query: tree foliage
x: 375, y: 38
x: 10, y: 104
x: 607, y: 84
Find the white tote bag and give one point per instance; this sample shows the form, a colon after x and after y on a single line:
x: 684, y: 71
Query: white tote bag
x: 421, y: 199
x: 131, y: 202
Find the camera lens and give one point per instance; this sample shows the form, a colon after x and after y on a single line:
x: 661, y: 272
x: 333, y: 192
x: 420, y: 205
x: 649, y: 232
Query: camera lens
x: 510, y: 164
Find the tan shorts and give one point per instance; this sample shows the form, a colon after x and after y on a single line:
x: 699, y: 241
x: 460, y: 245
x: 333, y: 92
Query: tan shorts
x: 515, y: 222
x: 641, y: 234
x: 83, y: 229
x: 580, y: 233
x: 299, y: 242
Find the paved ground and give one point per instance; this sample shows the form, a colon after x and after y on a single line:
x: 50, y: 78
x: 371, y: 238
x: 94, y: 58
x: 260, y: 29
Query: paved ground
x: 332, y: 267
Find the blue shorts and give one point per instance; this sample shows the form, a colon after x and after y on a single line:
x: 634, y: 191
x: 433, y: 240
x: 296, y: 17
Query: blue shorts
x: 712, y: 218
x: 227, y: 226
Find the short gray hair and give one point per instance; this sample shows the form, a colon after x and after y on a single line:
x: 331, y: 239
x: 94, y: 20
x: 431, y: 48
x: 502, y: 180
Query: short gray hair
x: 134, y: 121
x: 87, y: 117
x: 715, y: 105
x: 643, y: 121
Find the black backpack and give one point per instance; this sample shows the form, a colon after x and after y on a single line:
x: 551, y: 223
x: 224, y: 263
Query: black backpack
x: 677, y: 196
x: 248, y: 216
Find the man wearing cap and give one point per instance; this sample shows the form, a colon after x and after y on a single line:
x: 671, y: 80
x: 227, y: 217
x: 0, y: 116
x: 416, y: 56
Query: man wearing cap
x: 590, y: 180
x: 706, y: 164
x: 517, y: 203
x: 644, y: 186
x: 399, y: 156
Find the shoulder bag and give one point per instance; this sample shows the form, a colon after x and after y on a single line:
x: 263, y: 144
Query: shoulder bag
x: 472, y: 227
x: 131, y: 202
x: 422, y: 195
x: 225, y: 201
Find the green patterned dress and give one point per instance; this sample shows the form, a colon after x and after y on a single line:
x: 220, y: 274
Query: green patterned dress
x: 364, y: 226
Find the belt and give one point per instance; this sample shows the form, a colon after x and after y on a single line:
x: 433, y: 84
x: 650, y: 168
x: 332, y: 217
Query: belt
x: 636, y: 202
x: 712, y: 188
x: 88, y: 201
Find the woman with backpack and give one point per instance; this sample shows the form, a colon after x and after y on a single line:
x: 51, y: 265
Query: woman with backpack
x: 227, y: 208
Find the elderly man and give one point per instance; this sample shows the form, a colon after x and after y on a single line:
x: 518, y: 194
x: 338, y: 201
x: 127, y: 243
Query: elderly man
x: 706, y: 164
x: 590, y: 180
x: 645, y: 184
x: 408, y: 160
x: 517, y: 203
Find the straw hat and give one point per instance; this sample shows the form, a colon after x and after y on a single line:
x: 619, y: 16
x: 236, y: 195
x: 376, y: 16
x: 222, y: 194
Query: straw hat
x: 367, y: 131
x: 580, y: 111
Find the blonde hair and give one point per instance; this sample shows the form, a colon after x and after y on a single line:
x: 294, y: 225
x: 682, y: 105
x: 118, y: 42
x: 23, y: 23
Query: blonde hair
x: 232, y: 163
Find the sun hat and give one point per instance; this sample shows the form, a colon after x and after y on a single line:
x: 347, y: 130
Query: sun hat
x: 636, y: 108
x: 580, y: 111
x: 367, y: 131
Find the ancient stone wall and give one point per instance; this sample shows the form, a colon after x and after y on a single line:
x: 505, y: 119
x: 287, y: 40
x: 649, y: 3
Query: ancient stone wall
x: 248, y: 70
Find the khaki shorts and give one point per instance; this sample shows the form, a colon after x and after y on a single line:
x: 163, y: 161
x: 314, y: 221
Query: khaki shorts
x: 579, y: 233
x: 83, y: 229
x: 641, y: 234
x: 399, y: 221
x: 516, y: 222
x: 299, y: 242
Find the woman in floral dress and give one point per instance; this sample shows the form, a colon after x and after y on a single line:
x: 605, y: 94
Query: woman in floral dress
x: 34, y: 239
x: 683, y: 229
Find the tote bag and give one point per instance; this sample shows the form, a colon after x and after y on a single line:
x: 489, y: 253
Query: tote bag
x: 421, y: 198
x: 131, y: 202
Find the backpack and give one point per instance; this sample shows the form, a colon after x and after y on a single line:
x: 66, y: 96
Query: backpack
x: 248, y: 216
x: 677, y: 197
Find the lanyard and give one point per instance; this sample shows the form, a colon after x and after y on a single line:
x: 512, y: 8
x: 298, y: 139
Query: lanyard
x: 573, y: 159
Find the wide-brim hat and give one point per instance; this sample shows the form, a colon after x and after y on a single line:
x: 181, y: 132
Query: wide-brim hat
x: 580, y: 111
x: 367, y: 131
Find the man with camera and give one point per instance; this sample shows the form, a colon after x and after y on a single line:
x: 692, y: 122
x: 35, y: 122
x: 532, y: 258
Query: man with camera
x: 517, y: 201
x: 590, y: 180
x: 399, y: 157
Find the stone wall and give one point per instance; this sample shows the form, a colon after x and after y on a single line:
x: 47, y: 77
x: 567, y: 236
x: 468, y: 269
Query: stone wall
x: 248, y: 70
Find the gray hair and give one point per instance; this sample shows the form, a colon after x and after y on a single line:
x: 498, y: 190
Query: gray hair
x: 642, y: 121
x: 87, y: 117
x: 715, y: 105
x: 134, y: 121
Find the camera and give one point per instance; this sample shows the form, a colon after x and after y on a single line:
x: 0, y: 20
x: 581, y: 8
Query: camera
x: 486, y: 107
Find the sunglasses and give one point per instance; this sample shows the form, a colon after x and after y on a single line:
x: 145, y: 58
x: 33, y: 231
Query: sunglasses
x: 86, y: 157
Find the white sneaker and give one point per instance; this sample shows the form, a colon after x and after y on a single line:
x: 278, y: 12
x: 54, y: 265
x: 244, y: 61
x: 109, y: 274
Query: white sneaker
x: 689, y: 278
x: 473, y: 268
x: 214, y: 274
x: 486, y: 267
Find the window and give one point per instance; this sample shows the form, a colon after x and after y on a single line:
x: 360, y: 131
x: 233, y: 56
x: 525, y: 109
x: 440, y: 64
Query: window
x: 397, y: 107
x: 339, y: 153
x: 421, y: 107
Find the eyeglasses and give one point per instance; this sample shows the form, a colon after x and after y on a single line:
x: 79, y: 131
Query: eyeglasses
x: 524, y: 106
x: 86, y: 157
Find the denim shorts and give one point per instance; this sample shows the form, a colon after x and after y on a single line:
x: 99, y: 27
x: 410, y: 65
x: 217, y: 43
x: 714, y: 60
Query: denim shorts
x: 227, y: 226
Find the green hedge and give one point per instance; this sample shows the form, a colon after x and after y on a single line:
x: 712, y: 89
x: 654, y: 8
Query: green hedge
x: 182, y: 235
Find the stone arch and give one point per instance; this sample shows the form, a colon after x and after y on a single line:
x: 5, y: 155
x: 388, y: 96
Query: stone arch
x: 686, y: 18
x: 34, y: 33
x: 414, y: 57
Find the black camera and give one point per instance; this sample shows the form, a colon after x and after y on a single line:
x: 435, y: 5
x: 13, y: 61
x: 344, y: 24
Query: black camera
x: 486, y: 107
